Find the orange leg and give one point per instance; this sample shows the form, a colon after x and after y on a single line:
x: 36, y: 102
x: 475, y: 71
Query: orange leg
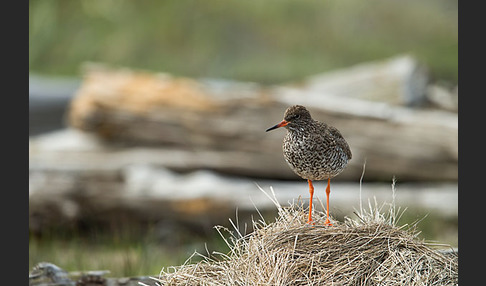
x: 311, y: 192
x: 328, y: 191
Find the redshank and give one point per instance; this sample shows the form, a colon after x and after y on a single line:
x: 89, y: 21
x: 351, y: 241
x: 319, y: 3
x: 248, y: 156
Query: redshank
x: 313, y: 150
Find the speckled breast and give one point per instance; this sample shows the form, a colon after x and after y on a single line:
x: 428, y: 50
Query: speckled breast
x: 313, y: 159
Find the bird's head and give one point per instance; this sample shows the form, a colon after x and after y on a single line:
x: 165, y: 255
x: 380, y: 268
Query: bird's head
x: 294, y: 116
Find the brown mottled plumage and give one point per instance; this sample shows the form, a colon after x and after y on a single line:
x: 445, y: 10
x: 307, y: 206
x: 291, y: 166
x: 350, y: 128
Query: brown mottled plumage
x: 313, y: 149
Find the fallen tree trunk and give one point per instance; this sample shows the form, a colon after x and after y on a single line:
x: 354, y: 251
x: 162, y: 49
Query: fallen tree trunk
x: 76, y: 177
x: 220, y: 125
x: 49, y: 274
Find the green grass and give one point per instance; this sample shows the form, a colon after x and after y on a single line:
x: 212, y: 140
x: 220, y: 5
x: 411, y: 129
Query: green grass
x: 125, y: 253
x: 433, y: 227
x: 128, y: 259
x: 267, y: 42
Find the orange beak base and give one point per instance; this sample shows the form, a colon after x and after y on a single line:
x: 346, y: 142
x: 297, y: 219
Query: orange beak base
x: 281, y: 124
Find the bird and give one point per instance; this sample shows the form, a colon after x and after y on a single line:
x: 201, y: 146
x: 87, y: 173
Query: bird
x: 314, y: 150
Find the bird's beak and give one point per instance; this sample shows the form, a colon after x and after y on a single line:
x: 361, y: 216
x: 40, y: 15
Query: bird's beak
x: 281, y: 124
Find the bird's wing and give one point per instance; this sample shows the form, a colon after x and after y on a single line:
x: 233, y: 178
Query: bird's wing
x: 338, y: 139
x: 331, y: 137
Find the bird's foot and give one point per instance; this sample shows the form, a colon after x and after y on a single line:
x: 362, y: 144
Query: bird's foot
x: 327, y: 222
x: 311, y: 222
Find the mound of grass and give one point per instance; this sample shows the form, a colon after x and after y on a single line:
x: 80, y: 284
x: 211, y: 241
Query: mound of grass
x: 370, y: 249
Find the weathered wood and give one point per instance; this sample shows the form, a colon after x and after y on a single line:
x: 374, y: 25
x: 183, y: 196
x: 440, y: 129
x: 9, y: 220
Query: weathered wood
x: 75, y: 176
x: 49, y: 274
x: 220, y: 125
x: 400, y: 80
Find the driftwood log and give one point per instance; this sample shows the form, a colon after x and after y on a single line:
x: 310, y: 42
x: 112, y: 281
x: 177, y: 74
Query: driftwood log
x: 48, y: 274
x: 380, y: 108
x: 76, y: 176
x: 139, y: 140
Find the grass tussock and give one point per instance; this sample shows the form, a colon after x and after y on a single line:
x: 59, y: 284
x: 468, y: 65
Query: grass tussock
x: 370, y: 249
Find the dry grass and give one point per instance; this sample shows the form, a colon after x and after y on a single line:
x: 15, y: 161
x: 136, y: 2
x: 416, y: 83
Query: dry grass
x: 367, y: 250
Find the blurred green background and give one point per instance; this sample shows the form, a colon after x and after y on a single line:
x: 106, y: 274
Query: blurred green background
x: 261, y: 41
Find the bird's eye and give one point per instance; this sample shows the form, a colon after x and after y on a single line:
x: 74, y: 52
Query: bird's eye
x: 297, y: 116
